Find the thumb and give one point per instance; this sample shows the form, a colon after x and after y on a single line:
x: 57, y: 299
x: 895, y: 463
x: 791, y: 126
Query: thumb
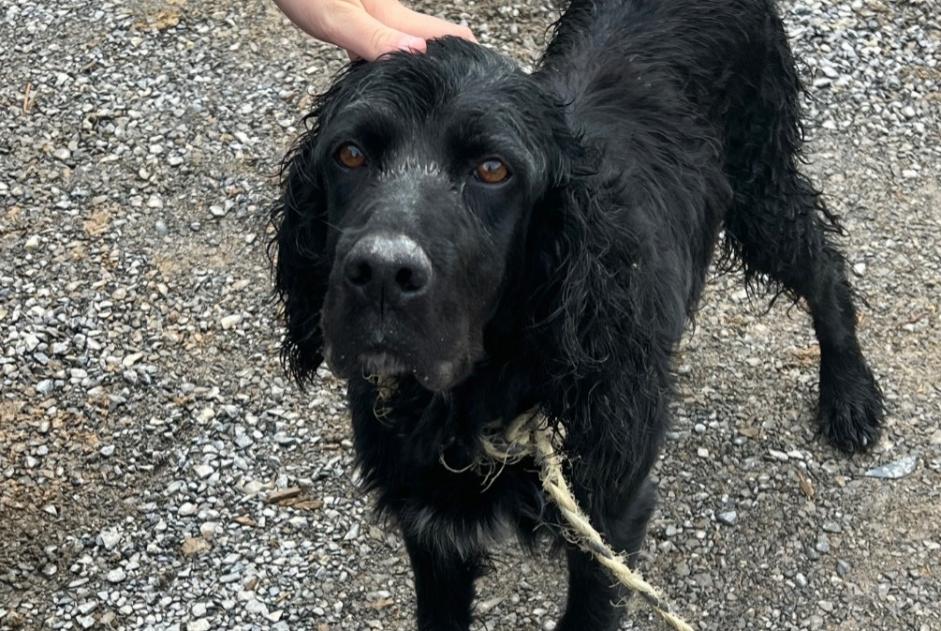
x: 369, y: 38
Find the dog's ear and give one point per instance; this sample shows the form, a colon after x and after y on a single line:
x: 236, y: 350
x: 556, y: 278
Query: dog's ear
x: 298, y: 249
x: 590, y: 310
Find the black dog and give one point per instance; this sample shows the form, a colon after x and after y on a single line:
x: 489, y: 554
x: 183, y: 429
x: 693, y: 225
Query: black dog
x: 500, y: 241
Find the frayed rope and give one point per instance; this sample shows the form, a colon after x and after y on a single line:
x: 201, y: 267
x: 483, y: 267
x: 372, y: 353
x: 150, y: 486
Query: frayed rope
x: 530, y: 435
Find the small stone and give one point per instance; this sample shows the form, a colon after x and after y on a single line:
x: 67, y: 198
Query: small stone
x: 45, y: 386
x: 243, y: 440
x: 778, y: 455
x: 298, y: 522
x: 110, y: 538
x: 107, y: 451
x: 230, y: 321
x: 32, y: 243
x: 161, y: 228
x: 217, y: 211
x: 209, y: 529
x: 255, y: 606
x: 62, y: 154
x: 116, y: 576
x: 283, y: 439
x: 254, y: 487
x: 199, y: 610
x: 859, y: 269
x: 728, y: 517
x: 823, y: 544
x: 86, y: 622
x: 842, y: 567
x: 193, y: 546
x: 198, y: 625
x: 187, y: 509
x: 204, y: 470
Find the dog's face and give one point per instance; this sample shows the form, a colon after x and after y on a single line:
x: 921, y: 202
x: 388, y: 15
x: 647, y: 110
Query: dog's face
x: 411, y: 197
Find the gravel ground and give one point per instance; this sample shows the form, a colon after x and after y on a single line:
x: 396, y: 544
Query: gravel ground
x: 158, y: 471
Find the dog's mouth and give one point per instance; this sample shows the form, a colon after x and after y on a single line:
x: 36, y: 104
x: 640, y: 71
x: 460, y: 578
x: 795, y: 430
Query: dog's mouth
x: 383, y: 364
x: 437, y: 375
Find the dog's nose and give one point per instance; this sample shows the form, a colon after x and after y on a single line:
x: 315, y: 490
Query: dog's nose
x: 387, y: 268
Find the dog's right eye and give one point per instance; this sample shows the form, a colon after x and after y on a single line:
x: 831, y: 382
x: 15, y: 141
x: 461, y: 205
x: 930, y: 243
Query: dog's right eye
x: 350, y: 156
x: 492, y: 171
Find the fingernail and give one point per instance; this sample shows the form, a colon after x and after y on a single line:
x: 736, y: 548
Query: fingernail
x: 412, y: 44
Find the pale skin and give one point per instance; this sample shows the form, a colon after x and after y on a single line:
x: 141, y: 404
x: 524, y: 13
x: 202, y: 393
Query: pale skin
x: 368, y: 29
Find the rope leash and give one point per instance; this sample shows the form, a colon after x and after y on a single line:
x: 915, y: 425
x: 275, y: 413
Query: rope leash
x: 530, y: 435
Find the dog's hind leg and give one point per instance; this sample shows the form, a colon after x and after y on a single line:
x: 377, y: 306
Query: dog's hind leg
x: 594, y: 598
x: 780, y: 228
x: 783, y: 235
x: 444, y: 585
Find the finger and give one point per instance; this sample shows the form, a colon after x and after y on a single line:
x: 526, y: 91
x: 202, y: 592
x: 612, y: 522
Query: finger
x: 425, y: 26
x: 364, y: 36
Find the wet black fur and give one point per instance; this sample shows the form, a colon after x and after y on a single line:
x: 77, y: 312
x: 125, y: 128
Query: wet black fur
x: 661, y: 123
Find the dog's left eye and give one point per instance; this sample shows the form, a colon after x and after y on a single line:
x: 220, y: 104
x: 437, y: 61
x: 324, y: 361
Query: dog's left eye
x: 492, y: 171
x: 350, y: 156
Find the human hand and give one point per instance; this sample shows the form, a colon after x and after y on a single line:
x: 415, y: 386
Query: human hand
x: 369, y: 28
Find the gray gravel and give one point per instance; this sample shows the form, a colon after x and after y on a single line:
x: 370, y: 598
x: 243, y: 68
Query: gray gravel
x: 158, y: 471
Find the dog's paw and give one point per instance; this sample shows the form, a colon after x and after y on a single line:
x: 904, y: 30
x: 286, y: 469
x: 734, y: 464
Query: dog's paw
x: 851, y: 409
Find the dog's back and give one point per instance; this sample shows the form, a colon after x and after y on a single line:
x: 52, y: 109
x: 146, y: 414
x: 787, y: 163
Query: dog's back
x: 715, y: 52
x: 707, y: 86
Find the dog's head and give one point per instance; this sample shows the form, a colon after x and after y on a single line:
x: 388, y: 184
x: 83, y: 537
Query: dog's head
x: 404, y: 208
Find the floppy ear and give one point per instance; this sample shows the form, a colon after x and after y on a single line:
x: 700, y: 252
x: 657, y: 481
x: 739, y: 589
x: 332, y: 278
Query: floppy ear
x: 302, y: 264
x: 603, y: 360
x: 592, y: 253
x: 597, y: 327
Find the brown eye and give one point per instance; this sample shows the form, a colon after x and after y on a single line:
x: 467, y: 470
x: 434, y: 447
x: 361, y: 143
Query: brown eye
x: 351, y: 156
x: 492, y: 171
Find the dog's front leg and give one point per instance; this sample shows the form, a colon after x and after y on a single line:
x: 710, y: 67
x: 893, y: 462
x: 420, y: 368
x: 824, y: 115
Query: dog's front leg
x: 444, y: 584
x: 593, y: 594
